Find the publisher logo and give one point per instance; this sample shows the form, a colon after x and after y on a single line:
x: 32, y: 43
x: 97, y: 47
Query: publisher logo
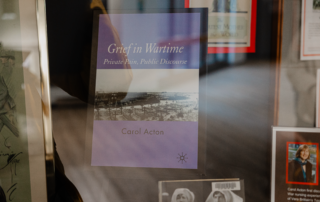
x: 182, y: 158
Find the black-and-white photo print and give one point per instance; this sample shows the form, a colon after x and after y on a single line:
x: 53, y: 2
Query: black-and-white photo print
x: 202, y: 191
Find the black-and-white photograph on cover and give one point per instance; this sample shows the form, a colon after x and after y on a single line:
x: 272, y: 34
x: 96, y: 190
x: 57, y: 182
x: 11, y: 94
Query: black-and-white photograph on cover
x: 229, y: 190
x: 146, y: 106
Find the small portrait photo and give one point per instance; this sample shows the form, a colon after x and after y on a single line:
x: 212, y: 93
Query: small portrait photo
x: 302, y: 163
x: 223, y: 196
x: 316, y: 5
x: 182, y: 195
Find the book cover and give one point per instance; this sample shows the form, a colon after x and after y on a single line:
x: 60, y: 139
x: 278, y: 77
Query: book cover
x: 146, y: 104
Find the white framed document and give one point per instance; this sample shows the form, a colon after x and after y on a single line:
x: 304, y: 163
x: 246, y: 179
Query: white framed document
x: 295, y: 164
x: 310, y: 32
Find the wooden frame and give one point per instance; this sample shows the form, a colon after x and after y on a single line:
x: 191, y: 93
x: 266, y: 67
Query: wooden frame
x: 276, y: 55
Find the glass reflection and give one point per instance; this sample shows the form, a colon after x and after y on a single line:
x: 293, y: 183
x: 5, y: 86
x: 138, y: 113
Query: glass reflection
x: 238, y: 111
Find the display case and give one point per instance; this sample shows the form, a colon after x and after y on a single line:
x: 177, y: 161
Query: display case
x: 173, y: 100
x: 108, y: 160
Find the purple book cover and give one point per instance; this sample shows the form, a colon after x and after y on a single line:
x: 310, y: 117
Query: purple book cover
x: 147, y: 91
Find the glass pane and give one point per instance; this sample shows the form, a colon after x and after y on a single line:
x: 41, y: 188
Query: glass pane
x: 237, y: 87
x: 22, y: 155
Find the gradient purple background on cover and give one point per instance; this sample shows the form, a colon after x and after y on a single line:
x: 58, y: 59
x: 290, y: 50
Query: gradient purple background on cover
x: 112, y: 148
x: 151, y: 28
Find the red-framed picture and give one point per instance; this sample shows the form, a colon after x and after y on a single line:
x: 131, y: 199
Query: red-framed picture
x: 231, y: 24
x: 302, y: 160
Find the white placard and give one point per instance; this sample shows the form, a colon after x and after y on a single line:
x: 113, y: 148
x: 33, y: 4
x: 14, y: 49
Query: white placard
x: 310, y: 30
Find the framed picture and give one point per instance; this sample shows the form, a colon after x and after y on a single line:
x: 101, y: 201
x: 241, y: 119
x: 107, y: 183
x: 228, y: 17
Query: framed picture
x: 146, y: 91
x: 295, y: 164
x: 231, y: 24
x: 209, y: 190
x: 293, y: 152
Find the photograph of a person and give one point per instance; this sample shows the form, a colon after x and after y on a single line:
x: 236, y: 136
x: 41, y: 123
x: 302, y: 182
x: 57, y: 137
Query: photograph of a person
x: 316, y: 4
x: 182, y: 195
x: 223, y: 196
x: 302, y: 163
